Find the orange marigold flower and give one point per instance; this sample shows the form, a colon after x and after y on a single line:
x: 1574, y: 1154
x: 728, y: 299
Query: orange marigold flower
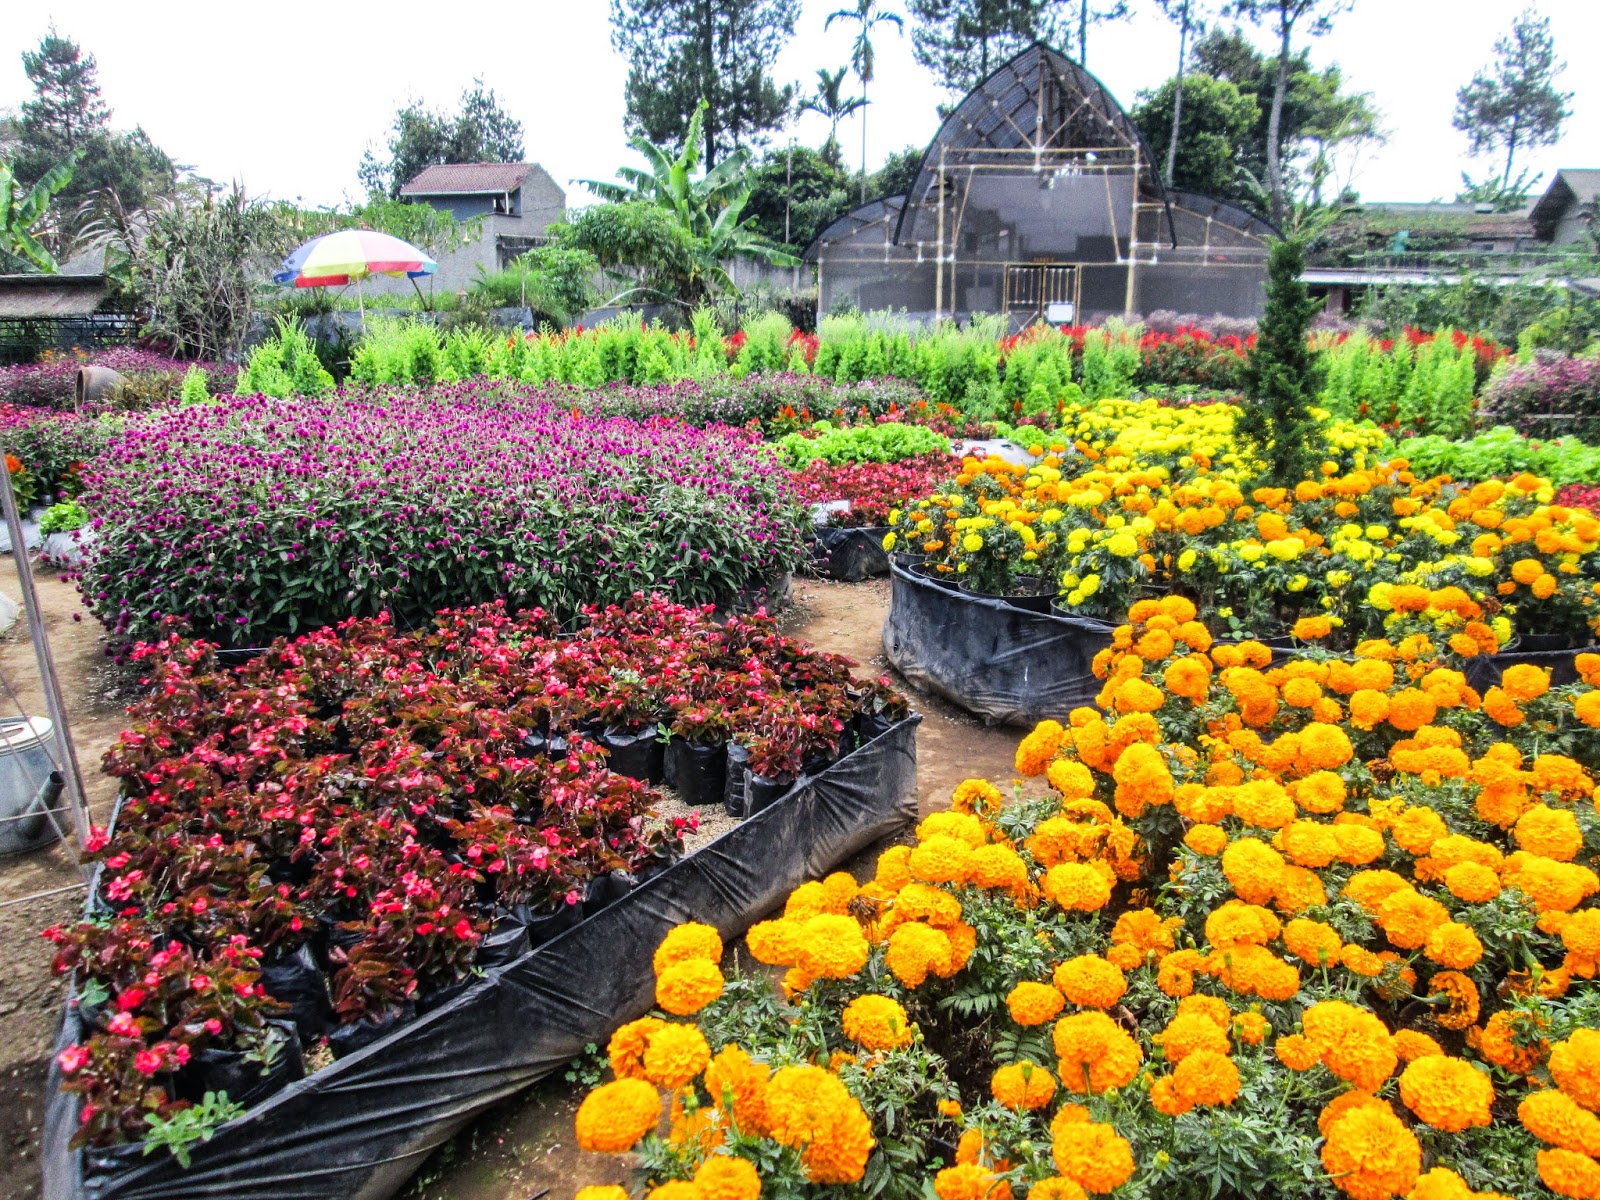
x: 1454, y: 945
x: 1022, y: 1086
x: 1555, y: 1117
x: 914, y: 950
x: 1472, y: 882
x: 832, y: 947
x: 1189, y: 1032
x: 1253, y: 868
x: 1312, y: 942
x: 1550, y: 832
x: 686, y: 987
x: 1353, y: 1043
x: 1094, y: 1053
x: 1251, y: 1028
x: 1206, y: 1077
x: 616, y: 1115
x: 1036, y: 750
x: 1034, y: 1003
x: 1089, y: 981
x: 724, y: 1177
x: 1325, y: 747
x: 1575, y: 1067
x: 690, y: 940
x: 1209, y: 840
x: 1297, y: 1052
x: 1080, y: 887
x: 877, y: 1023
x: 1511, y: 1040
x: 1412, y: 1044
x: 1568, y: 1173
x: 1093, y: 1156
x: 1447, y: 1093
x: 1370, y: 1155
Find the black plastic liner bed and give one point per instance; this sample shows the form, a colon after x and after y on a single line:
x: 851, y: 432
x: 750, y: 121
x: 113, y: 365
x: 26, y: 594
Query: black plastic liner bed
x: 359, y: 1128
x: 999, y: 661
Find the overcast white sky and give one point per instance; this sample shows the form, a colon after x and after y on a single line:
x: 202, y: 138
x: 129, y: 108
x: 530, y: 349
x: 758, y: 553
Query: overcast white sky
x: 287, y: 96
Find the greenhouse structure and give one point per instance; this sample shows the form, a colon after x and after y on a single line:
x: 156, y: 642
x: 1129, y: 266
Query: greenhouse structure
x: 1040, y: 199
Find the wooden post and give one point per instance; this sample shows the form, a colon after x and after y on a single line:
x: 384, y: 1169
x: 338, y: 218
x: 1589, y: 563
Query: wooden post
x: 938, y: 257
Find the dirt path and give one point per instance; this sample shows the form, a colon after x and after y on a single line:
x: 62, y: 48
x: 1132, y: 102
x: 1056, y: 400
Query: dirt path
x: 517, y: 1149
x: 525, y: 1146
x: 30, y: 997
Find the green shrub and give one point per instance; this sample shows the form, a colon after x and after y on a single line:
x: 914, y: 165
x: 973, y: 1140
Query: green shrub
x: 63, y: 518
x: 890, y: 442
x: 285, y: 365
x: 1502, y: 452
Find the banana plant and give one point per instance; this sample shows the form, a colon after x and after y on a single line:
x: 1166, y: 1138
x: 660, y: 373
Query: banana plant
x: 708, y: 208
x: 24, y: 212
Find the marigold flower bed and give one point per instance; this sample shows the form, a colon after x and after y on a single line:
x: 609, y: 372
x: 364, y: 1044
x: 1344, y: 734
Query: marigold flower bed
x: 372, y: 805
x: 1321, y: 927
x: 257, y: 517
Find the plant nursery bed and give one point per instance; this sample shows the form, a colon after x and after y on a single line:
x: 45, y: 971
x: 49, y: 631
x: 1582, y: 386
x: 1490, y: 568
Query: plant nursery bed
x: 997, y: 660
x: 360, y: 1126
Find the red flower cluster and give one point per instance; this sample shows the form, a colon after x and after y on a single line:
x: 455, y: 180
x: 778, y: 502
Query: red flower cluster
x: 873, y: 489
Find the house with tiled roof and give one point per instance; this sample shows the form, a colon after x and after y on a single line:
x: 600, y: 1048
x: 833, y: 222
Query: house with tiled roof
x: 513, y: 205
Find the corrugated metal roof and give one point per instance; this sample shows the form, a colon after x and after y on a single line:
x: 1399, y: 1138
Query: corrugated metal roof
x: 36, y: 296
x: 468, y: 179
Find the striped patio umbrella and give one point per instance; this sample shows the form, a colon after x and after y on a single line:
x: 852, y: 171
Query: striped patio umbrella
x: 349, y: 256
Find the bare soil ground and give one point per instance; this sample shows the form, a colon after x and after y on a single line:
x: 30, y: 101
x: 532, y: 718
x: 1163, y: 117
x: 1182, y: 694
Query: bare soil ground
x: 518, y: 1150
x: 30, y: 997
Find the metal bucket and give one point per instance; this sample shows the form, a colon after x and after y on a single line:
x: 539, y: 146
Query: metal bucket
x: 29, y: 785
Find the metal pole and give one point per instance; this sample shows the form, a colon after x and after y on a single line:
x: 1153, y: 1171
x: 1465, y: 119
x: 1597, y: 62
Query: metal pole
x: 938, y: 258
x: 1133, y: 236
x: 67, y: 755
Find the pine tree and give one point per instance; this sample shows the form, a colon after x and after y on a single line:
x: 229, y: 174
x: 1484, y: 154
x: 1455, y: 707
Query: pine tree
x: 1283, y: 375
x: 1518, y: 106
x: 721, y: 51
x: 962, y: 41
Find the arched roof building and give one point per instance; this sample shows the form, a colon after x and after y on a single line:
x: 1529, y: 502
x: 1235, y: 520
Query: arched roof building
x: 1039, y: 198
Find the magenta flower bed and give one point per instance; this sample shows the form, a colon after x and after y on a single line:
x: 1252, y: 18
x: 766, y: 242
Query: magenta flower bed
x: 257, y: 517
x: 49, y: 383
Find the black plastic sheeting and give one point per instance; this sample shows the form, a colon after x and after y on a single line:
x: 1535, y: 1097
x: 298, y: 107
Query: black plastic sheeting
x: 1484, y: 672
x: 994, y: 659
x: 357, y: 1129
x: 849, y: 555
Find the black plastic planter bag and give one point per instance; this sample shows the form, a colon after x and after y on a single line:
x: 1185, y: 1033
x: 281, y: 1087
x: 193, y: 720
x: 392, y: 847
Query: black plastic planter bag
x: 850, y: 555
x: 357, y: 1129
x: 995, y: 660
x: 1485, y: 671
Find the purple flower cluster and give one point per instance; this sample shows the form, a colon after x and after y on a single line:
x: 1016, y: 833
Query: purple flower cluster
x: 257, y: 517
x: 773, y: 400
x: 1553, y: 396
x: 49, y: 382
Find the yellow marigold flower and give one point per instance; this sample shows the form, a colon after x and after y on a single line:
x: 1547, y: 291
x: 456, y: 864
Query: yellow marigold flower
x: 1080, y: 887
x: 723, y: 1177
x: 676, y: 1189
x: 1369, y: 889
x: 1297, y: 1052
x: 1057, y: 1188
x: 601, y: 1191
x: 1312, y: 942
x: 1454, y: 945
x: 963, y: 826
x: 1447, y: 1093
x: 914, y: 950
x: 941, y: 859
x: 1412, y: 1044
x: 808, y: 1106
x: 1575, y: 1067
x: 1022, y: 1086
x: 1072, y: 779
x: 1206, y: 1077
x: 1234, y: 923
x: 1089, y: 981
x: 616, y: 1115
x: 1094, y: 1053
x: 1034, y: 1003
x: 1370, y: 1155
x: 1358, y: 844
x: 1321, y: 792
x: 877, y: 1023
x: 832, y: 947
x: 1549, y: 832
x: 1137, y: 696
x: 1472, y: 882
x: 1253, y: 868
x: 1346, y: 1102
x: 1524, y: 682
x: 1568, y: 1173
x: 1093, y: 1156
x: 1309, y: 843
x: 675, y: 1055
x: 997, y: 866
x: 1036, y: 750
x: 1209, y: 840
x: 975, y: 795
x: 892, y: 872
x: 1408, y: 917
x: 688, y: 941
x: 686, y: 987
x: 1553, y: 1116
x: 1360, y: 960
x: 1189, y: 1032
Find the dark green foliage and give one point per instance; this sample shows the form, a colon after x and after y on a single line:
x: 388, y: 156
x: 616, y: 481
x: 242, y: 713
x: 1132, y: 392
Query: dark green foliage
x: 1517, y: 106
x: 898, y: 173
x: 681, y: 52
x: 816, y: 187
x: 68, y: 116
x: 1217, y: 123
x: 1282, y: 374
x: 961, y: 41
x: 481, y: 131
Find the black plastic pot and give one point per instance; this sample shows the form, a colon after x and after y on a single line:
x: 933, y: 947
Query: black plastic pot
x: 1486, y: 670
x: 850, y: 555
x: 542, y: 926
x: 605, y: 890
x: 1032, y: 594
x: 297, y: 980
x: 700, y: 773
x: 337, y: 935
x: 347, y: 1039
x: 638, y: 755
x: 247, y: 1082
x: 761, y: 792
x: 870, y: 725
x: 551, y: 746
x: 506, y: 941
x: 733, y: 791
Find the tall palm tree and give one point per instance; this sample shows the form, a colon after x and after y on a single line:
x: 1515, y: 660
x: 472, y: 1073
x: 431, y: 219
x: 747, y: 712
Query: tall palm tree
x: 831, y: 104
x: 867, y: 16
